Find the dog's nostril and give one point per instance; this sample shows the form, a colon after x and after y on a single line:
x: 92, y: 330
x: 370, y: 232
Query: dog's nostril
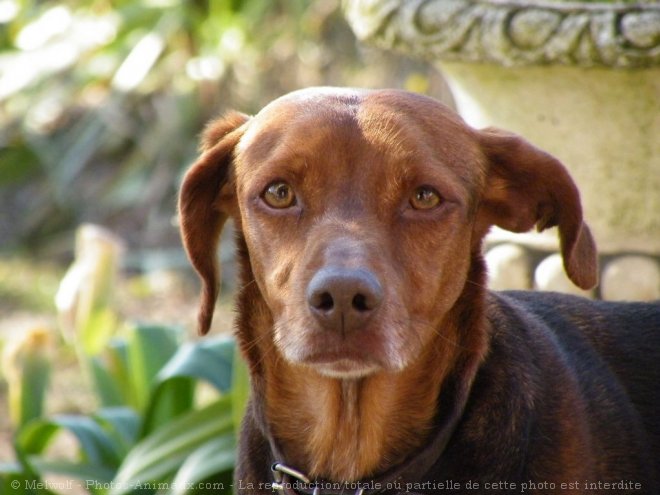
x: 360, y: 303
x: 325, y: 302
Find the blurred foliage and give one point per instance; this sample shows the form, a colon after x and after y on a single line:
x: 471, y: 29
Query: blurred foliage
x: 101, y: 102
x: 154, y: 432
x: 167, y: 413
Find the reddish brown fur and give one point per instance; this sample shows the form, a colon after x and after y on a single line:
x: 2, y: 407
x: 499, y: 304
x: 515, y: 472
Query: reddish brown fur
x: 354, y: 158
x: 376, y: 421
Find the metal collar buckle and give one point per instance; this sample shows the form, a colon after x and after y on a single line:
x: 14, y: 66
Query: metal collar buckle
x: 280, y: 471
x: 280, y: 474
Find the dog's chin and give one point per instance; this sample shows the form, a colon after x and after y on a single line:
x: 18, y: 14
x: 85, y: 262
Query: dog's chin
x: 345, y: 365
x: 345, y: 369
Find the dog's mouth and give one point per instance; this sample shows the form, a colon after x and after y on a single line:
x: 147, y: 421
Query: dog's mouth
x: 342, y: 365
x: 333, y: 354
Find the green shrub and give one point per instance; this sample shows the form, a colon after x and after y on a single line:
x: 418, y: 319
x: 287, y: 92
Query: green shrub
x: 150, y: 434
x: 168, y: 410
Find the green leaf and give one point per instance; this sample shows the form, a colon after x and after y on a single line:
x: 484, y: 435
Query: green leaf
x: 149, y: 348
x: 27, y: 395
x: 17, y: 483
x: 209, y: 360
x: 169, y: 400
x: 97, y: 446
x: 216, y: 456
x: 36, y: 436
x: 96, y: 327
x: 240, y: 390
x: 158, y: 456
x: 122, y: 424
x: 106, y: 378
x: 99, y: 453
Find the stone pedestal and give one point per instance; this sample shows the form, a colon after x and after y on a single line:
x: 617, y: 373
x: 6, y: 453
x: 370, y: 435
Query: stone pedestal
x: 580, y: 80
x: 603, y: 124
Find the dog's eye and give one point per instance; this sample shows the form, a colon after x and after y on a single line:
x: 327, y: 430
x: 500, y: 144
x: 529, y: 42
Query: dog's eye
x: 279, y: 195
x: 425, y: 198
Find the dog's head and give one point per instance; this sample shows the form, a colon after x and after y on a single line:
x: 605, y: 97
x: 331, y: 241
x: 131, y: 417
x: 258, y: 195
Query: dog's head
x: 362, y: 212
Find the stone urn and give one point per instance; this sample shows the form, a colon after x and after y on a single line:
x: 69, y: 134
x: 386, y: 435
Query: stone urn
x: 578, y: 79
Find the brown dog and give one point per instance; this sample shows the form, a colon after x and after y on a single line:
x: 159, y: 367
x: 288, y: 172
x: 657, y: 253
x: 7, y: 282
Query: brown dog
x: 379, y: 361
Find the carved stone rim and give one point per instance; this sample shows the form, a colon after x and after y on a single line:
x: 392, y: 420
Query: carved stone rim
x: 573, y: 6
x: 513, y: 32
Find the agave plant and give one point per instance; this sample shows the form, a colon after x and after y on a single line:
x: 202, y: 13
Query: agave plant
x: 26, y: 364
x: 166, y: 442
x: 154, y: 431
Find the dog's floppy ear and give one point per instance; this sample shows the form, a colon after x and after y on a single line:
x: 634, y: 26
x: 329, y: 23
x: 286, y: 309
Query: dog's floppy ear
x: 201, y: 218
x: 526, y: 187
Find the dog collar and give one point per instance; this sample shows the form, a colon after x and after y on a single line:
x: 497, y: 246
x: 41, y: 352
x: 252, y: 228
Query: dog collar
x: 290, y: 481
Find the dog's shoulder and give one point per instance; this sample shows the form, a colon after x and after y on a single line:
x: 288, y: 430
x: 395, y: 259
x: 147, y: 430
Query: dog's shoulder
x: 560, y: 310
x: 621, y: 333
x: 548, y: 387
x: 600, y: 342
x: 554, y: 357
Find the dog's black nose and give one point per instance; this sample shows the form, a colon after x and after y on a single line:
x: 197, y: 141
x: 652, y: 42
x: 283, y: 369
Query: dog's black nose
x: 343, y: 299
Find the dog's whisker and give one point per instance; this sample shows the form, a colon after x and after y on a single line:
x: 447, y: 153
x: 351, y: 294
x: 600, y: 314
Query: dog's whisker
x: 246, y: 285
x: 255, y: 341
x: 475, y: 284
x: 436, y: 331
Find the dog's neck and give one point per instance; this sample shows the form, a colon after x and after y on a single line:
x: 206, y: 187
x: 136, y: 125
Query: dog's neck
x: 345, y: 430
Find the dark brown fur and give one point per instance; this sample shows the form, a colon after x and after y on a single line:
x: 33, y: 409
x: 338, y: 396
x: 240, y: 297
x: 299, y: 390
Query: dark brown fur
x: 543, y: 388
